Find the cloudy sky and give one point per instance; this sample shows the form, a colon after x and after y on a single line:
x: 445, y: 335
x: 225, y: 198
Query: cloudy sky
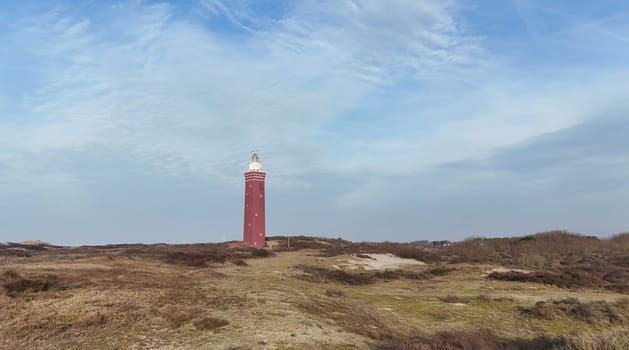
x: 133, y: 121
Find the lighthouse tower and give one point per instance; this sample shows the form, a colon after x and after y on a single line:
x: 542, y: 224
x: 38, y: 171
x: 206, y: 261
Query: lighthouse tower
x: 254, y: 233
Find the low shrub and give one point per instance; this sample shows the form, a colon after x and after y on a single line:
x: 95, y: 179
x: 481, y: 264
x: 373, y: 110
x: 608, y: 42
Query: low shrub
x: 240, y: 262
x: 489, y: 298
x: 10, y: 274
x: 15, y: 285
x: 334, y: 293
x: 199, y: 255
x: 187, y: 259
x: 467, y: 299
x: 323, y: 275
x: 596, y: 277
x: 209, y: 323
x: 261, y: 253
x: 178, y: 317
x: 389, y: 275
x: 441, y: 271
x: 597, y: 312
x: 471, y: 340
x: 455, y: 299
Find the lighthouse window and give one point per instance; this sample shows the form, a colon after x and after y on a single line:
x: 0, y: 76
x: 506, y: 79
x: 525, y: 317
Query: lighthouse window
x: 256, y: 214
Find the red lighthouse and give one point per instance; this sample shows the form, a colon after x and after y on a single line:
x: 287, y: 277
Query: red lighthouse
x: 254, y: 233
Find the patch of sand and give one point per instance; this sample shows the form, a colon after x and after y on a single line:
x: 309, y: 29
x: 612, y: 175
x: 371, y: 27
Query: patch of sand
x: 504, y: 269
x: 34, y: 242
x: 377, y: 262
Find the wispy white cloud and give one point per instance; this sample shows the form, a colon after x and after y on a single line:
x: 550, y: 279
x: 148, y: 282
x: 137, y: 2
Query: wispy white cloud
x: 374, y: 95
x: 236, y: 12
x: 165, y: 89
x: 578, y: 29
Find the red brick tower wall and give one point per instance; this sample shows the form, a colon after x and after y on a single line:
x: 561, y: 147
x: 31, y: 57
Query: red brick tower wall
x: 254, y: 231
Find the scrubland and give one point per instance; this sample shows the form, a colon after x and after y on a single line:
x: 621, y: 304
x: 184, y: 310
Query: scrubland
x: 552, y: 290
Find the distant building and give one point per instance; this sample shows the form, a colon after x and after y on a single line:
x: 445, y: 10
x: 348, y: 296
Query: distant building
x: 422, y: 243
x: 254, y: 225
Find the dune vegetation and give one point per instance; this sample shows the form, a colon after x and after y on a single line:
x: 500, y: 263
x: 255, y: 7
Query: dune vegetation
x: 553, y: 290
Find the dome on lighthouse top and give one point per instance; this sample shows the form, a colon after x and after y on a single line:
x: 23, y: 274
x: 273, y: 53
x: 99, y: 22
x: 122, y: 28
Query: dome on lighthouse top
x: 254, y: 164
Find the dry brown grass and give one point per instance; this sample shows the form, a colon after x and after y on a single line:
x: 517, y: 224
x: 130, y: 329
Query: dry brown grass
x: 610, y: 339
x: 15, y: 285
x: 209, y: 296
x: 352, y: 316
x: 133, y: 297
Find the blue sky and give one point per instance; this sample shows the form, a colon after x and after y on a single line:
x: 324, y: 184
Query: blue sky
x: 133, y: 121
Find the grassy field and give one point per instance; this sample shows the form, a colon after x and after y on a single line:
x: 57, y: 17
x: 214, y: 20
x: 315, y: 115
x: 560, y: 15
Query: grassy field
x: 319, y: 294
